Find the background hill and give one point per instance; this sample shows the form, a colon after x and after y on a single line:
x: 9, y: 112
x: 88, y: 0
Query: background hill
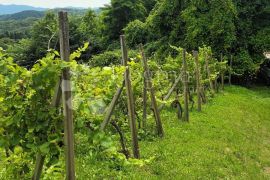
x: 17, y: 12
x: 23, y: 15
x: 11, y: 9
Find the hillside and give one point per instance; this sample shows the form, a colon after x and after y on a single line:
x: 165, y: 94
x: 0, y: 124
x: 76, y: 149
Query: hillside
x: 11, y: 9
x: 23, y: 15
x: 18, y: 25
x: 18, y: 12
x: 151, y: 89
x: 229, y: 139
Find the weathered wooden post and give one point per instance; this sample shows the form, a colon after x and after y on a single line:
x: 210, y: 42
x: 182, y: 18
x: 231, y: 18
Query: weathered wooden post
x: 131, y: 108
x: 38, y: 166
x: 144, y: 124
x: 209, y: 74
x: 152, y: 94
x: 185, y: 82
x: 198, y: 80
x: 230, y: 71
x: 67, y: 97
x: 222, y: 73
x: 110, y: 110
x: 179, y: 78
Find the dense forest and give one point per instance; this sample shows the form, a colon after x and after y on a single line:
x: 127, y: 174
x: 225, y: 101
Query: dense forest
x: 240, y: 28
x: 176, y: 60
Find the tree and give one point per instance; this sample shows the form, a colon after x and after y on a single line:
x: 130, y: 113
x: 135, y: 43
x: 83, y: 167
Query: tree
x: 189, y: 24
x: 6, y: 42
x: 210, y: 23
x: 117, y: 15
x: 149, y: 5
x: 90, y: 30
x: 252, y: 28
x: 136, y: 33
x: 44, y: 34
x: 23, y: 52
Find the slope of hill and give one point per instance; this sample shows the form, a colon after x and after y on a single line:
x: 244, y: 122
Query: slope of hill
x: 17, y: 25
x: 22, y: 15
x: 11, y: 9
x: 228, y: 140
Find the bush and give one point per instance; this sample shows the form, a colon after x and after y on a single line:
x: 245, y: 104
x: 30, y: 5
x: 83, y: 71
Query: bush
x: 136, y: 33
x: 109, y: 58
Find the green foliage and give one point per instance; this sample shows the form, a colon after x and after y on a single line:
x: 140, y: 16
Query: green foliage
x: 210, y: 23
x: 28, y: 123
x: 251, y: 26
x: 136, y: 33
x: 261, y: 41
x: 213, y: 145
x: 20, y: 165
x: 43, y: 37
x: 27, y: 120
x: 117, y: 15
x: 106, y: 58
x: 227, y: 27
x: 6, y: 42
x: 149, y: 5
x: 109, y: 58
x: 16, y: 29
x: 245, y: 63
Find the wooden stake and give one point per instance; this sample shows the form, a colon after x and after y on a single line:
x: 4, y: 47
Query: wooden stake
x: 67, y: 97
x: 56, y: 101
x: 152, y: 94
x: 170, y: 91
x: 222, y: 74
x: 230, y: 72
x: 185, y: 82
x: 131, y: 107
x: 209, y: 74
x: 198, y: 80
x: 144, y: 123
x: 110, y: 110
x: 38, y: 167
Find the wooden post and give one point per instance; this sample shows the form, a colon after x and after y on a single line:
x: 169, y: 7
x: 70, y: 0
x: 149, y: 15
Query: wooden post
x: 41, y: 158
x: 198, y: 80
x: 222, y: 73
x: 152, y: 94
x: 38, y: 167
x: 185, y: 82
x: 209, y: 74
x: 131, y: 108
x: 170, y: 91
x: 67, y: 97
x: 230, y: 72
x: 216, y: 85
x: 110, y: 110
x: 144, y: 124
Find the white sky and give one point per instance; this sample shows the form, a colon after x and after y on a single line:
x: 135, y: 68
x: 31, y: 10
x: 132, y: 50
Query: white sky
x: 58, y: 3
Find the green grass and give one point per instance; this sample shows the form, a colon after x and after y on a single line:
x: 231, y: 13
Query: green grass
x: 230, y: 139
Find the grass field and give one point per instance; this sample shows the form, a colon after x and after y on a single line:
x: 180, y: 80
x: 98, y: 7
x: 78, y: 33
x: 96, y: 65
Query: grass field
x: 230, y: 139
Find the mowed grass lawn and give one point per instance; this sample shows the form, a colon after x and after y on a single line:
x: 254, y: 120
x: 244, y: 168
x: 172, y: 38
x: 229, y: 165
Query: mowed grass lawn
x: 230, y: 139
